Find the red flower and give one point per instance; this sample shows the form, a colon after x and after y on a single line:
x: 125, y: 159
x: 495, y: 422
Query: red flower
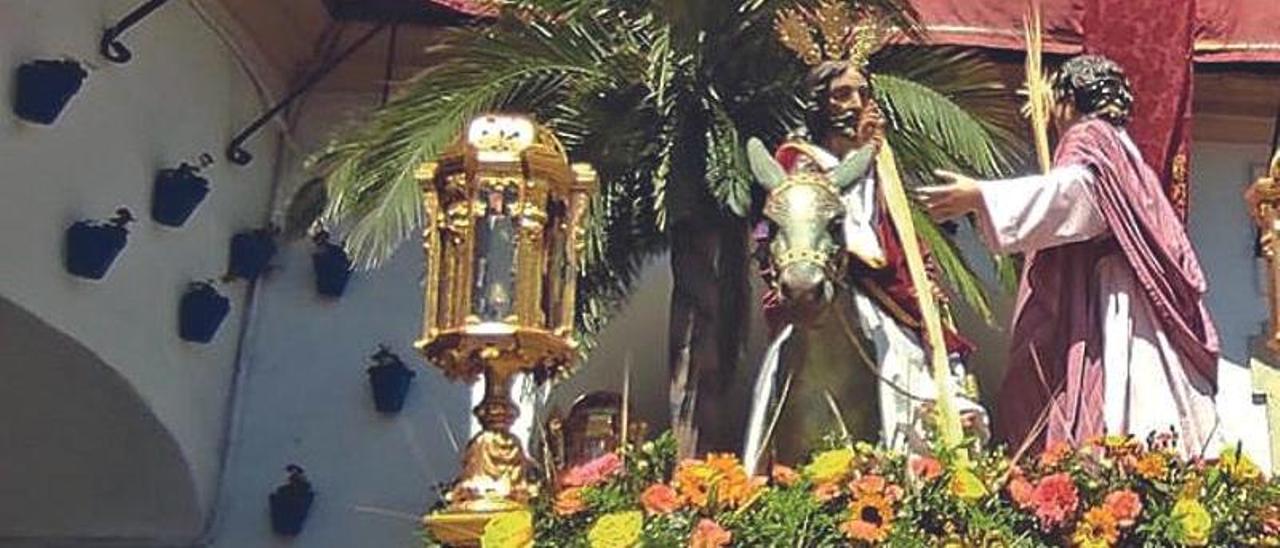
x: 925, y: 468
x: 593, y: 472
x: 660, y: 498
x: 709, y: 534
x: 1124, y: 505
x: 1055, y: 498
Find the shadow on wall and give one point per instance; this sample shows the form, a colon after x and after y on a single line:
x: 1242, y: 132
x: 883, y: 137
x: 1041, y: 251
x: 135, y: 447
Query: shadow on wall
x: 82, y: 457
x: 640, y: 333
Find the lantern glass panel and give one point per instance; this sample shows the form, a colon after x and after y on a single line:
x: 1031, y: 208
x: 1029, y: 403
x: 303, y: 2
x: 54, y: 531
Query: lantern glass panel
x: 495, y: 272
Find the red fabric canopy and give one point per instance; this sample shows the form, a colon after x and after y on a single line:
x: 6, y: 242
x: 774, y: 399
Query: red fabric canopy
x: 1228, y: 30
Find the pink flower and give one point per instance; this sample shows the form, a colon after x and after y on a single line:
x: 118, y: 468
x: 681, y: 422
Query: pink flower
x: 709, y: 534
x: 593, y: 472
x: 925, y: 468
x: 660, y: 498
x: 1055, y: 498
x: 1124, y: 506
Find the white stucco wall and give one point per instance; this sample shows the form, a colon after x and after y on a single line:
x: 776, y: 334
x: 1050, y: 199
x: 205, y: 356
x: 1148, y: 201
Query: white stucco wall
x: 1223, y: 235
x: 305, y: 397
x: 183, y: 94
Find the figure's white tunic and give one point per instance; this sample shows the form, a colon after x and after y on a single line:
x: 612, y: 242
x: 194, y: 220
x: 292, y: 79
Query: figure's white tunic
x: 1146, y: 387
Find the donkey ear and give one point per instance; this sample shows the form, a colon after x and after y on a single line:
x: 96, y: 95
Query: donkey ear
x: 853, y: 168
x: 767, y: 170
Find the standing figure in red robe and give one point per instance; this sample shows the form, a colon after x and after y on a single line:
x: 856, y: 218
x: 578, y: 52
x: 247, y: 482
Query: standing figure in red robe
x: 1110, y: 333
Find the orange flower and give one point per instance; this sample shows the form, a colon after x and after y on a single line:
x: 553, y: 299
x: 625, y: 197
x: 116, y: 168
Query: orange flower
x: 784, y: 475
x: 1020, y: 491
x: 569, y: 502
x: 1097, y: 528
x: 925, y: 468
x: 1055, y: 498
x: 826, y: 491
x: 1124, y: 506
x: 660, y: 498
x: 720, y: 479
x: 1054, y: 455
x: 870, y: 518
x: 709, y: 534
x: 1152, y: 466
x: 872, y: 484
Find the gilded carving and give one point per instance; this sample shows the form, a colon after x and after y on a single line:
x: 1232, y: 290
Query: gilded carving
x: 1263, y: 198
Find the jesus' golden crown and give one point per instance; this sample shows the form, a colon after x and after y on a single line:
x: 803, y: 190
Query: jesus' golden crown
x: 831, y: 30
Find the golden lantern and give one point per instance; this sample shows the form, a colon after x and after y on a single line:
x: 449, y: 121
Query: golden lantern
x: 592, y: 429
x: 504, y: 232
x: 1263, y: 198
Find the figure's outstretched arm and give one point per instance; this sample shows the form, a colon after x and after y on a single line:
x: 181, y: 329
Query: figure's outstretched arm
x: 1024, y: 214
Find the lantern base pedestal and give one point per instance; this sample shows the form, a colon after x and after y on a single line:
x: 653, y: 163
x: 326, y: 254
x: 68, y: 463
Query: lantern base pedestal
x: 459, y: 527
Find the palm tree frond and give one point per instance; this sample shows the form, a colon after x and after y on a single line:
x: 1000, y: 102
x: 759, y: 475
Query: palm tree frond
x: 373, y: 196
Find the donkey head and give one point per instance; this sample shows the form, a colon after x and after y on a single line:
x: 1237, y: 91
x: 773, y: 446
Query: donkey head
x: 805, y: 214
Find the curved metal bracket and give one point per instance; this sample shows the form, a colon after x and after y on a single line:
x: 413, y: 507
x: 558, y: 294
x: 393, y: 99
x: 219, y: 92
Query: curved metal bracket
x: 110, y: 47
x: 235, y: 150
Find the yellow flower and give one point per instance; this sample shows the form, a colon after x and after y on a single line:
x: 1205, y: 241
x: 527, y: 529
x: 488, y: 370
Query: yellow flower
x: 1238, y: 466
x: 1194, y: 522
x: 509, y: 530
x: 830, y: 466
x: 616, y: 530
x: 967, y: 486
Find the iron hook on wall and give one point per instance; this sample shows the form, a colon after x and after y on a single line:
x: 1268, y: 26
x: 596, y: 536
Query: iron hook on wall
x: 110, y: 46
x: 235, y: 150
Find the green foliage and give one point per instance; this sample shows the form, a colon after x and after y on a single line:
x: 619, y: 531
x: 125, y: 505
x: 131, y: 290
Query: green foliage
x: 658, y: 95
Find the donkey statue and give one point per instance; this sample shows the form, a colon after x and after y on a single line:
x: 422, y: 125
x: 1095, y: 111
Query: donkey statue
x: 846, y: 357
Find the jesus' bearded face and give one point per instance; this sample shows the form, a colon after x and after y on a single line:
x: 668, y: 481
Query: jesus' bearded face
x: 848, y: 95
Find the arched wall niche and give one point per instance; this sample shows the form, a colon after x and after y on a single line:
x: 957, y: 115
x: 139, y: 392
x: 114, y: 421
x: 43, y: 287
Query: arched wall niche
x: 83, y: 460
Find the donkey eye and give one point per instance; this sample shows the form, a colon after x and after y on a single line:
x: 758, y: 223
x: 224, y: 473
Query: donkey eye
x: 836, y: 226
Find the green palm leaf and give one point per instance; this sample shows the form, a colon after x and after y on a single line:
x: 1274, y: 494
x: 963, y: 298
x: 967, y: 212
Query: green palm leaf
x: 948, y: 110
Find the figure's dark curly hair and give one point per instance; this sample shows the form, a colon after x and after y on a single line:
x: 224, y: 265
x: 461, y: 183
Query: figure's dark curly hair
x: 1096, y: 86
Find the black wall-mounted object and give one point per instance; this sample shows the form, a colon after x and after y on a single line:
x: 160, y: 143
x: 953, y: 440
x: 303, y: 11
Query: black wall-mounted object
x: 291, y: 503
x: 201, y: 312
x: 251, y: 253
x: 110, y: 46
x: 176, y: 194
x: 235, y: 149
x: 92, y: 246
x: 389, y: 378
x: 44, y: 87
x: 332, y: 266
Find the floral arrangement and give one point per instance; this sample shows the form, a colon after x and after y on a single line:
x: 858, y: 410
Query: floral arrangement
x: 1113, y: 491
